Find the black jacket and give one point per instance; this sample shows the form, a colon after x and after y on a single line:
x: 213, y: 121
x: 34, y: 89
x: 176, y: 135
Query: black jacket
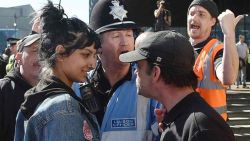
x: 12, y: 89
x: 2, y: 67
x: 192, y: 119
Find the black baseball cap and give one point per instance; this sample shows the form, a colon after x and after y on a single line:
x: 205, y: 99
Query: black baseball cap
x: 12, y: 41
x: 110, y: 15
x: 28, y: 40
x: 165, y: 48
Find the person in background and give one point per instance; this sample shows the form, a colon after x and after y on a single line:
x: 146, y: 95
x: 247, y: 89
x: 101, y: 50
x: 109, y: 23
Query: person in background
x: 163, y: 16
x: 12, y: 44
x: 165, y: 62
x: 52, y: 100
x: 3, y: 62
x: 217, y: 63
x: 6, y: 54
x: 17, y: 82
x: 2, y: 67
x: 243, y: 51
x: 122, y: 114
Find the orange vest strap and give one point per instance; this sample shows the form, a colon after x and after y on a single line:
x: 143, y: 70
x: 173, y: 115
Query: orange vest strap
x: 198, y: 66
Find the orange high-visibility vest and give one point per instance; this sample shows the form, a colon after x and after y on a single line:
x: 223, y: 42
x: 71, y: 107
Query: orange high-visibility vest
x: 209, y: 87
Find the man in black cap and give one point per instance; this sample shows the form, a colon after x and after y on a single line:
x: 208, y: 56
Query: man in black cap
x: 12, y: 44
x: 217, y: 64
x: 165, y: 62
x: 123, y: 115
x: 16, y: 83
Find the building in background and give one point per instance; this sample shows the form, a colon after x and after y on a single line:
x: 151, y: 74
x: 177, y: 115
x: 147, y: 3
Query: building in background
x: 15, y: 22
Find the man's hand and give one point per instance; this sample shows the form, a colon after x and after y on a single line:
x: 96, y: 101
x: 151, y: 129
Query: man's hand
x: 225, y: 20
x: 162, y: 2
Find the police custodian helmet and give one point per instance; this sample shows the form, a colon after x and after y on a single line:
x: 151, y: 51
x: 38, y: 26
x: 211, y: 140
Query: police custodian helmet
x: 110, y: 15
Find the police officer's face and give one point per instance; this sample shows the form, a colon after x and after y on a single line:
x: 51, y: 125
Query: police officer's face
x: 115, y: 43
x: 199, y: 23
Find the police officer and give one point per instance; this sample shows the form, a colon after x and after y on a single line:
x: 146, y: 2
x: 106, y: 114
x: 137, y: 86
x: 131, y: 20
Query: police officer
x: 12, y: 44
x: 122, y: 114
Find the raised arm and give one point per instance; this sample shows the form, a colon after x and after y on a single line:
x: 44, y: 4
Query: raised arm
x: 227, y: 72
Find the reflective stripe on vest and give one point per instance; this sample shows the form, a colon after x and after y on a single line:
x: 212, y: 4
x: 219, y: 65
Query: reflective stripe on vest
x: 209, y: 87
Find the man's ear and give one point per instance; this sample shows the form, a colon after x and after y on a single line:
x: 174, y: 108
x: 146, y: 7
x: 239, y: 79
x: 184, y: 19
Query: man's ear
x: 213, y: 21
x: 156, y: 73
x: 18, y: 58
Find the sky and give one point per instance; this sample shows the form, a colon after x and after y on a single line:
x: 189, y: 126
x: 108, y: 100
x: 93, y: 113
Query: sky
x: 77, y: 8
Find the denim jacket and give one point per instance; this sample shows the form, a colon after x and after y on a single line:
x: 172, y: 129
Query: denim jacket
x: 53, y: 112
x: 59, y: 118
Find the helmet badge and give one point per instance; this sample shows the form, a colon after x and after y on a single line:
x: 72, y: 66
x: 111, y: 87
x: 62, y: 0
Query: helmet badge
x: 117, y: 10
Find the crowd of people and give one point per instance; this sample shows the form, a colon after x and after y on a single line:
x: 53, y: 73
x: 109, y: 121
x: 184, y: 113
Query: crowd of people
x: 106, y: 82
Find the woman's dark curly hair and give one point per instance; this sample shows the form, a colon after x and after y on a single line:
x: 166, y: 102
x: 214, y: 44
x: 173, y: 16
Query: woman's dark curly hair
x: 58, y: 29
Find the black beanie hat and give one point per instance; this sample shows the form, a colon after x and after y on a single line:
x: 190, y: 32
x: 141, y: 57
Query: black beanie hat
x: 209, y: 5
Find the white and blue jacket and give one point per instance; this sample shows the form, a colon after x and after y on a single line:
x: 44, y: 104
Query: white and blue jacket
x: 129, y: 116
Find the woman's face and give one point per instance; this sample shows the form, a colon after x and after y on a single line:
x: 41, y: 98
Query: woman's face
x: 74, y: 67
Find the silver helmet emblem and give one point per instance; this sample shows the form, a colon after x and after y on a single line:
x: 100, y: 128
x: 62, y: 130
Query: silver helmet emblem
x: 117, y: 10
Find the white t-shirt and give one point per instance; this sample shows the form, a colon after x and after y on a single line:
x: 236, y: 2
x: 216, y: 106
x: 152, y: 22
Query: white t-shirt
x: 242, y: 50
